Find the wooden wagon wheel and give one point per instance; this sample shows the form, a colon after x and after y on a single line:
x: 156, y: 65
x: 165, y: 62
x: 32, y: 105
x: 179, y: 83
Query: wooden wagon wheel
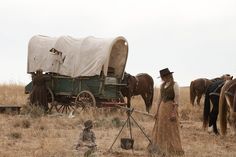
x: 84, y: 99
x: 65, y: 107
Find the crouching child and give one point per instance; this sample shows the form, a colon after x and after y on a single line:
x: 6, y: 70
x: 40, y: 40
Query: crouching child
x: 86, y: 144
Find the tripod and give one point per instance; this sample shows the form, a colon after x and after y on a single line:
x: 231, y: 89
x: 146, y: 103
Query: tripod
x: 128, y: 121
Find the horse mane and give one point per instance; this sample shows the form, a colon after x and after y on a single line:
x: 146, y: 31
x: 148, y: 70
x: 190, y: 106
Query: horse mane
x: 127, y: 91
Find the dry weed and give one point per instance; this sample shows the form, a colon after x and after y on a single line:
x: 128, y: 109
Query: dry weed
x: 56, y: 135
x: 32, y: 110
x: 15, y: 135
x: 12, y: 94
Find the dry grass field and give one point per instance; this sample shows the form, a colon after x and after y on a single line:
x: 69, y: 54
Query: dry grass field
x: 56, y: 135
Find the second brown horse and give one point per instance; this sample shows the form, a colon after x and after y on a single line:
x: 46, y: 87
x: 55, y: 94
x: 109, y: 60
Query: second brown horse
x: 141, y: 84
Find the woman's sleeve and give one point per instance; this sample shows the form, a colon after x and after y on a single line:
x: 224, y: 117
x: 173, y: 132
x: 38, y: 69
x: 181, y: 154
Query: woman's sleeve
x: 177, y: 91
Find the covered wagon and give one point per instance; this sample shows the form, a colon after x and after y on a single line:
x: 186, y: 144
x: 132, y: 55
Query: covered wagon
x: 83, y: 71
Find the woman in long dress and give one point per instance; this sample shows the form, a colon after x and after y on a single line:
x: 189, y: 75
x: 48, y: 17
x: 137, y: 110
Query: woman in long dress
x: 166, y: 135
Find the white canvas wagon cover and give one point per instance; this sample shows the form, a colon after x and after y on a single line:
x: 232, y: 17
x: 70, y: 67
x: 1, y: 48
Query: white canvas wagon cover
x: 76, y: 57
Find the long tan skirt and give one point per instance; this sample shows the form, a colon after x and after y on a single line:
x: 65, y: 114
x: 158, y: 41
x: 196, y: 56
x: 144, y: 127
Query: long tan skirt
x: 165, y: 135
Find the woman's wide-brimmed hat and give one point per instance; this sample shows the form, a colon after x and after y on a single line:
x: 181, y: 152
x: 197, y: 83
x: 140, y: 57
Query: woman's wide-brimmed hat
x: 165, y: 72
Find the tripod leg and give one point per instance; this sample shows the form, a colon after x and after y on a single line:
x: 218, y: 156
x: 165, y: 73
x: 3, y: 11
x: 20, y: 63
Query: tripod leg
x: 130, y: 129
x: 119, y: 133
x: 141, y: 130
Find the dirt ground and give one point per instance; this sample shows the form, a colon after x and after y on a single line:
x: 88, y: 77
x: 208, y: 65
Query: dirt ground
x: 56, y: 135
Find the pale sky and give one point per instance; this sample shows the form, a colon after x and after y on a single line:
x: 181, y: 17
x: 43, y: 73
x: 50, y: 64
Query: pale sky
x: 193, y: 38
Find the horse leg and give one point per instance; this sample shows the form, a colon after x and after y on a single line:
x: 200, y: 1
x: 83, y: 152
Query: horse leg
x: 128, y: 104
x: 214, y: 113
x: 146, y: 101
x: 128, y: 101
x: 215, y: 129
x: 213, y: 120
x: 199, y: 96
x: 194, y: 97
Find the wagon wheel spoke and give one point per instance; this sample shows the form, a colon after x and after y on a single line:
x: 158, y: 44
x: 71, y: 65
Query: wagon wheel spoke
x: 80, y: 109
x: 84, y: 99
x: 63, y: 108
x: 70, y: 108
x: 60, y: 107
x: 52, y: 106
x: 66, y: 109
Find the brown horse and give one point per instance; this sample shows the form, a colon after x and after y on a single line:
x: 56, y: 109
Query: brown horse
x: 141, y: 84
x: 199, y: 86
x: 227, y: 106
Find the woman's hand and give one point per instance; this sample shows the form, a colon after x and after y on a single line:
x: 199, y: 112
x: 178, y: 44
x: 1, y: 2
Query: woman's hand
x: 175, y: 104
x: 173, y: 114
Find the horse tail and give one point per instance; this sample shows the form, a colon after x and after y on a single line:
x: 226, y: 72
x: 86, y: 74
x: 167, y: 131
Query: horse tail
x: 233, y: 113
x: 223, y: 112
x: 206, y: 110
x: 151, y: 93
x: 192, y: 93
x: 234, y: 102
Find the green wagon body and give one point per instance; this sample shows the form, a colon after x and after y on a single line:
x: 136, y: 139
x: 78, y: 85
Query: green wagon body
x: 66, y: 89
